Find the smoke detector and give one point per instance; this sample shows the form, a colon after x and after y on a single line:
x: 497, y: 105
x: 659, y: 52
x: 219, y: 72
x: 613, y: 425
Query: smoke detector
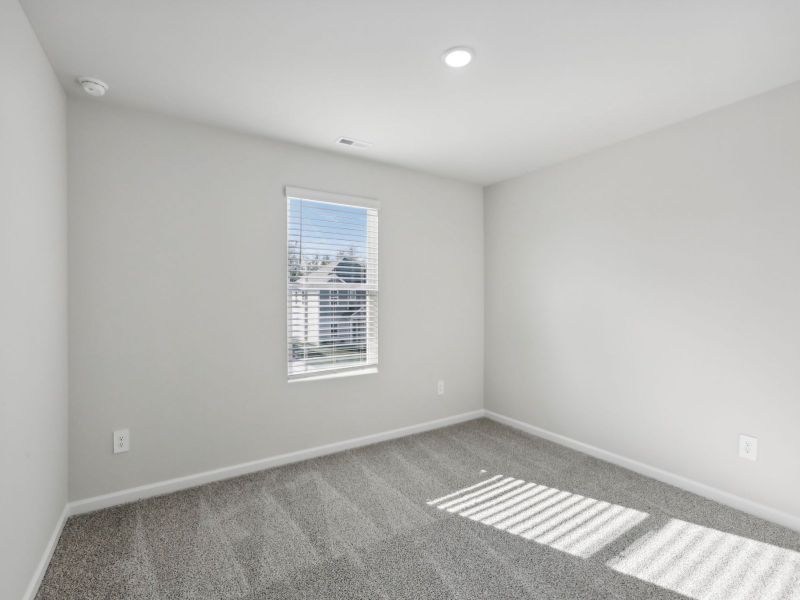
x: 351, y: 143
x: 93, y: 87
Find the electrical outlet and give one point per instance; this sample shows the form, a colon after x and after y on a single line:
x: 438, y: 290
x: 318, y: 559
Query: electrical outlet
x: 122, y: 440
x: 440, y: 388
x: 748, y: 447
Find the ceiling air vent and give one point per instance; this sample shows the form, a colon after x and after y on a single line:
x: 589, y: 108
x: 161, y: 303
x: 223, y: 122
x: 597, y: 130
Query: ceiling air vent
x: 351, y: 143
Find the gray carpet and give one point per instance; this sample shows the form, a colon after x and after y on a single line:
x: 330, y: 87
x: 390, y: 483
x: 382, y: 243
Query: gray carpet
x: 472, y: 511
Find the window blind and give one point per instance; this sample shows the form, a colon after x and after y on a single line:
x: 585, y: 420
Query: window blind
x: 332, y: 291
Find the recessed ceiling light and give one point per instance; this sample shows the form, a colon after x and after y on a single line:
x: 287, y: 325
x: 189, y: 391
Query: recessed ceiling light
x: 457, y: 57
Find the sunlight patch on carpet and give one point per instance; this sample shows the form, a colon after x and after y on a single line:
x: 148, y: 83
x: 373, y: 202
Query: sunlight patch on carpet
x: 707, y: 564
x: 569, y: 522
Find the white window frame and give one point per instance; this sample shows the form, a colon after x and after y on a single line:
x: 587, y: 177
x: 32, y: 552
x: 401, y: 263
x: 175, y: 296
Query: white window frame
x: 299, y: 193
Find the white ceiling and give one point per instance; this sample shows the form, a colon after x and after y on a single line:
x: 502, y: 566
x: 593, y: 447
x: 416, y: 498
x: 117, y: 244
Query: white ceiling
x: 551, y: 78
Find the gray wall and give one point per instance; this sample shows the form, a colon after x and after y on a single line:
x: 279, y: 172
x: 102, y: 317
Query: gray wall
x: 178, y: 299
x: 645, y: 298
x: 33, y: 297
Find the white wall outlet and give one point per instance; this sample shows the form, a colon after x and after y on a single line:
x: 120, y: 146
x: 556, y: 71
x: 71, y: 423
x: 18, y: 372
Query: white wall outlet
x: 440, y: 387
x: 122, y: 440
x: 748, y: 447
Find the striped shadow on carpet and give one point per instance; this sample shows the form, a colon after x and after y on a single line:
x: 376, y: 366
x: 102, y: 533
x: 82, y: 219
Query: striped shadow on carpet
x: 695, y: 561
x: 568, y: 522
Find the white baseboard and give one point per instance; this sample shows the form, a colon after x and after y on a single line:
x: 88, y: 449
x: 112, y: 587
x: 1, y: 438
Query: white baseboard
x: 690, y: 485
x: 180, y: 483
x: 41, y: 568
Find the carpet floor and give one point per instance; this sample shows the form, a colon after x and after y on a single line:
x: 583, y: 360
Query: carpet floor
x: 473, y: 511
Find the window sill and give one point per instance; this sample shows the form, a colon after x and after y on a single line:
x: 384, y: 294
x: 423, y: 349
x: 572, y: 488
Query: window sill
x: 335, y: 375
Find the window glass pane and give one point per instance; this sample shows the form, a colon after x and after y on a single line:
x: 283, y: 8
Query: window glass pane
x: 332, y: 286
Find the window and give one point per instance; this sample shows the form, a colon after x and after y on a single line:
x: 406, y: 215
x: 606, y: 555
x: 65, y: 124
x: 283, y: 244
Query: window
x: 332, y: 292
